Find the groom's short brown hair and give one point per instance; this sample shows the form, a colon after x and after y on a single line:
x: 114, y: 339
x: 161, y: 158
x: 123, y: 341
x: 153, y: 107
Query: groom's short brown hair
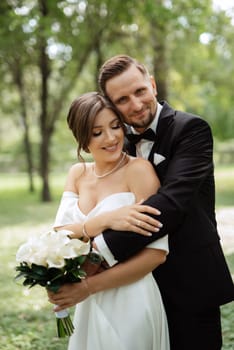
x: 115, y: 66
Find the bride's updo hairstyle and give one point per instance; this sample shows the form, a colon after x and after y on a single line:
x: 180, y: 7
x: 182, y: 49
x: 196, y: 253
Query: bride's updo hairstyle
x: 81, y: 118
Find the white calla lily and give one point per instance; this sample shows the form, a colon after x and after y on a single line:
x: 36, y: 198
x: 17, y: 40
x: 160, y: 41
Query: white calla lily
x: 51, y: 249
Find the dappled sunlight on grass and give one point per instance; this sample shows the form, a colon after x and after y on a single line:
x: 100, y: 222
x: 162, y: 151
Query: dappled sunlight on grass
x: 19, y: 206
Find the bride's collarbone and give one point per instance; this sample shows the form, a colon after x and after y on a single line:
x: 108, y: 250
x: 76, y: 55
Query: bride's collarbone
x: 93, y: 190
x: 95, y: 194
x: 87, y: 206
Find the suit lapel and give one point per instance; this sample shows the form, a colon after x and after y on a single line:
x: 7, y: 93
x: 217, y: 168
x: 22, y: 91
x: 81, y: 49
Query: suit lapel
x: 165, y: 119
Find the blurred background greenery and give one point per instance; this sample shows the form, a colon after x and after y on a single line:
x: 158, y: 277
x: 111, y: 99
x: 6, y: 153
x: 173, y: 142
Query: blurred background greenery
x: 50, y: 52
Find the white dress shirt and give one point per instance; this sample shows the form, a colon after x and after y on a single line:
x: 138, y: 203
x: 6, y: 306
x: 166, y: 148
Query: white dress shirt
x: 144, y: 147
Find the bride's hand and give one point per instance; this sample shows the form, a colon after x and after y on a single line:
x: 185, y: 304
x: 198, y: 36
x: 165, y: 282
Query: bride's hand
x: 134, y: 218
x: 69, y: 295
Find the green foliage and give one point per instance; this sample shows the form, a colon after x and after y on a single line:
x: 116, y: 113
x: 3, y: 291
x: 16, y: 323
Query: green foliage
x: 51, y: 278
x: 51, y: 52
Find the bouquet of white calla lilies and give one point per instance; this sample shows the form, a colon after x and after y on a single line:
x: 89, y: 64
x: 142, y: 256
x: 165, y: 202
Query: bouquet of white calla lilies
x: 51, y: 249
x: 51, y: 260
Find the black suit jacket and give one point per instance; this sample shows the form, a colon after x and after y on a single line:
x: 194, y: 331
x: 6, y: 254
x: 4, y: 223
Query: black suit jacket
x: 195, y: 273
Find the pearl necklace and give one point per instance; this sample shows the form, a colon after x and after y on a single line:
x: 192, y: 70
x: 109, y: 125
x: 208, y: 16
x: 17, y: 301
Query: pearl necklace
x: 112, y: 170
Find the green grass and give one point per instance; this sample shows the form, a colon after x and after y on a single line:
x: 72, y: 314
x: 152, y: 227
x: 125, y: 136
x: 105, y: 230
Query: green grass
x: 227, y: 312
x: 224, y: 178
x: 27, y: 321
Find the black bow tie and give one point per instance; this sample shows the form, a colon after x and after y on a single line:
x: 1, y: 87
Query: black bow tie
x: 148, y: 134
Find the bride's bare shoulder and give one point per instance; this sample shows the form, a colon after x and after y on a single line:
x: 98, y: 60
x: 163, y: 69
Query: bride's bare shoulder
x: 141, y: 177
x: 139, y: 164
x: 77, y: 170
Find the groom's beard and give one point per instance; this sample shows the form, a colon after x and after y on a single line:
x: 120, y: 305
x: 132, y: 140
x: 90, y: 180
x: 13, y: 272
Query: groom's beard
x: 144, y: 123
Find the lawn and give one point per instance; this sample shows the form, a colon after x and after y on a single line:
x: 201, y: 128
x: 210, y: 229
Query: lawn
x: 27, y: 321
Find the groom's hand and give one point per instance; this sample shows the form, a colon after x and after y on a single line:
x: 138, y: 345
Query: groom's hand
x: 135, y: 218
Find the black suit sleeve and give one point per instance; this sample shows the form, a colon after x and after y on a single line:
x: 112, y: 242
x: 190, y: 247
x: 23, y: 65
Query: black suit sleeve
x: 190, y: 165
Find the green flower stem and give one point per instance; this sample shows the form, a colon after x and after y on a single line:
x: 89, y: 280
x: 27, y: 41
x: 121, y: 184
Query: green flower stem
x: 64, y: 327
x: 64, y: 324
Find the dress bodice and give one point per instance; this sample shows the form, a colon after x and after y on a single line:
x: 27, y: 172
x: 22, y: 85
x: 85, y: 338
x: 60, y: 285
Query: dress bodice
x: 69, y: 211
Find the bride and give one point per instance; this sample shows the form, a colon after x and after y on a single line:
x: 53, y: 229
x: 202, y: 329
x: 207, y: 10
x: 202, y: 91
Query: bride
x: 119, y: 307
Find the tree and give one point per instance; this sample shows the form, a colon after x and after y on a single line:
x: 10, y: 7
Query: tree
x: 52, y: 49
x: 14, y: 61
x: 56, y: 39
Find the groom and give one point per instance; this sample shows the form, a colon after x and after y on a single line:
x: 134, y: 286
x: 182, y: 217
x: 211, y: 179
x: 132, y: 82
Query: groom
x: 195, y: 279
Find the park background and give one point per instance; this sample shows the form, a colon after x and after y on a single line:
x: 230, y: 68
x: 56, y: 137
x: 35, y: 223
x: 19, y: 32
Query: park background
x: 50, y: 52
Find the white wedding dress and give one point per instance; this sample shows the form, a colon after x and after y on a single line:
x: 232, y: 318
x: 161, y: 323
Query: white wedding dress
x: 131, y: 317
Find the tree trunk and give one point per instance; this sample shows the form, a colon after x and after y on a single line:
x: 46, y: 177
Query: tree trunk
x: 158, y: 35
x: 18, y: 78
x: 45, y: 128
x: 28, y: 151
x: 99, y: 61
x: 160, y: 69
x: 44, y: 167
